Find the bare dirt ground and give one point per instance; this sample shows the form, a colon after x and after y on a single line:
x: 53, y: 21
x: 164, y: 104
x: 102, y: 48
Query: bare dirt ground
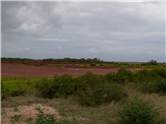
x: 26, y: 70
x: 26, y: 113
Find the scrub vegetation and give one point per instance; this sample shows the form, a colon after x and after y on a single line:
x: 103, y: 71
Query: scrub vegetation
x: 123, y: 97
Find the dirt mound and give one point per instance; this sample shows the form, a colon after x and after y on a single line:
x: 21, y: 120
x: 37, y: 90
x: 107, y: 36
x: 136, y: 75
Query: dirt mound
x: 26, y: 113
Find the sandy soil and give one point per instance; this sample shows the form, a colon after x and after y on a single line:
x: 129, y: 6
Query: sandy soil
x: 26, y: 70
x: 25, y: 113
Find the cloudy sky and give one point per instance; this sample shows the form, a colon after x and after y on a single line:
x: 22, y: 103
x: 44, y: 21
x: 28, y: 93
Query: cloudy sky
x: 116, y: 31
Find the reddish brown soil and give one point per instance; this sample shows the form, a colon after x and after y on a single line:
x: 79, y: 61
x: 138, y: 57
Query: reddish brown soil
x: 26, y: 70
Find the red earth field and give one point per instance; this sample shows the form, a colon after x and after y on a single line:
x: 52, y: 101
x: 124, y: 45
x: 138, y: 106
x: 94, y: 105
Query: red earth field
x: 26, y: 70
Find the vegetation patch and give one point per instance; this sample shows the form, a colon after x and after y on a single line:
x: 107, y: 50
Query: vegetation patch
x: 14, y: 88
x: 138, y: 112
x: 90, y: 89
x: 156, y: 86
x: 45, y: 119
x: 95, y: 90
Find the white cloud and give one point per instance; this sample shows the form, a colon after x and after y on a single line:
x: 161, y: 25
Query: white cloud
x: 105, y: 29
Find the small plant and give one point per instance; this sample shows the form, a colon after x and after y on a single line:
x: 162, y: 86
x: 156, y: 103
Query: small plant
x: 45, y: 119
x: 49, y: 119
x: 65, y: 122
x: 138, y: 112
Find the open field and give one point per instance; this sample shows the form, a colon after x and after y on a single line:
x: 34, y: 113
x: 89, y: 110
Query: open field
x: 23, y: 70
x: 48, y: 68
x: 46, y: 98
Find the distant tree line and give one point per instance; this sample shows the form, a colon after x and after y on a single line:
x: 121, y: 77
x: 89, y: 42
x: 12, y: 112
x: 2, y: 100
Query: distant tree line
x: 75, y: 60
x: 81, y: 60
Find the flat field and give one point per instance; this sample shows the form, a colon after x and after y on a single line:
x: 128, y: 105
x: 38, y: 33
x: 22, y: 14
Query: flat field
x: 29, y: 70
x: 32, y: 69
x: 83, y: 93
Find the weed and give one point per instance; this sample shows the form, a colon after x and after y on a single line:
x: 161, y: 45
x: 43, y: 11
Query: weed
x: 45, y: 119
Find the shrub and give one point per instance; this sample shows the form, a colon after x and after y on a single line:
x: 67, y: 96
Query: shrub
x: 160, y: 86
x: 152, y: 62
x: 157, y: 86
x: 95, y: 90
x: 147, y: 75
x: 161, y: 72
x: 138, y: 112
x: 121, y: 76
x: 65, y: 85
x: 49, y: 119
x: 58, y: 86
x: 45, y: 88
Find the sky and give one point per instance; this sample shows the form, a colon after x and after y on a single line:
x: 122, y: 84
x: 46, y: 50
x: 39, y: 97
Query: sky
x: 111, y: 31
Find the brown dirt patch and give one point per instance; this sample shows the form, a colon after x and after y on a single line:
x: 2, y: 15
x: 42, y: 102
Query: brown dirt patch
x: 23, y: 114
x: 26, y: 70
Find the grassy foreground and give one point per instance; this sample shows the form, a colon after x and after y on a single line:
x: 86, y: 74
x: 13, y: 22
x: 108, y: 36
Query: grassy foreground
x: 116, y: 98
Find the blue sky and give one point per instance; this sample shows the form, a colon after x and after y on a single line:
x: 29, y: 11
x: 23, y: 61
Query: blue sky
x: 115, y: 31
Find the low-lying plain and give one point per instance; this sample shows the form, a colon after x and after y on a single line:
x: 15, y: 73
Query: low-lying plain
x: 121, y: 97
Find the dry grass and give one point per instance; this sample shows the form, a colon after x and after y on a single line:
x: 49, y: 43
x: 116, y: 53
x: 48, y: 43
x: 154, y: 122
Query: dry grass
x: 69, y: 109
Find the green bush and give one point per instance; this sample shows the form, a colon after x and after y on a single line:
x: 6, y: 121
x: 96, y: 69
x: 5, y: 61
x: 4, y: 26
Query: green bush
x: 58, y: 86
x: 95, y: 90
x: 157, y: 86
x: 65, y: 85
x: 160, y: 86
x: 46, y: 88
x: 49, y: 119
x: 148, y: 75
x: 152, y: 62
x: 138, y: 112
x: 121, y: 76
x: 161, y: 72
